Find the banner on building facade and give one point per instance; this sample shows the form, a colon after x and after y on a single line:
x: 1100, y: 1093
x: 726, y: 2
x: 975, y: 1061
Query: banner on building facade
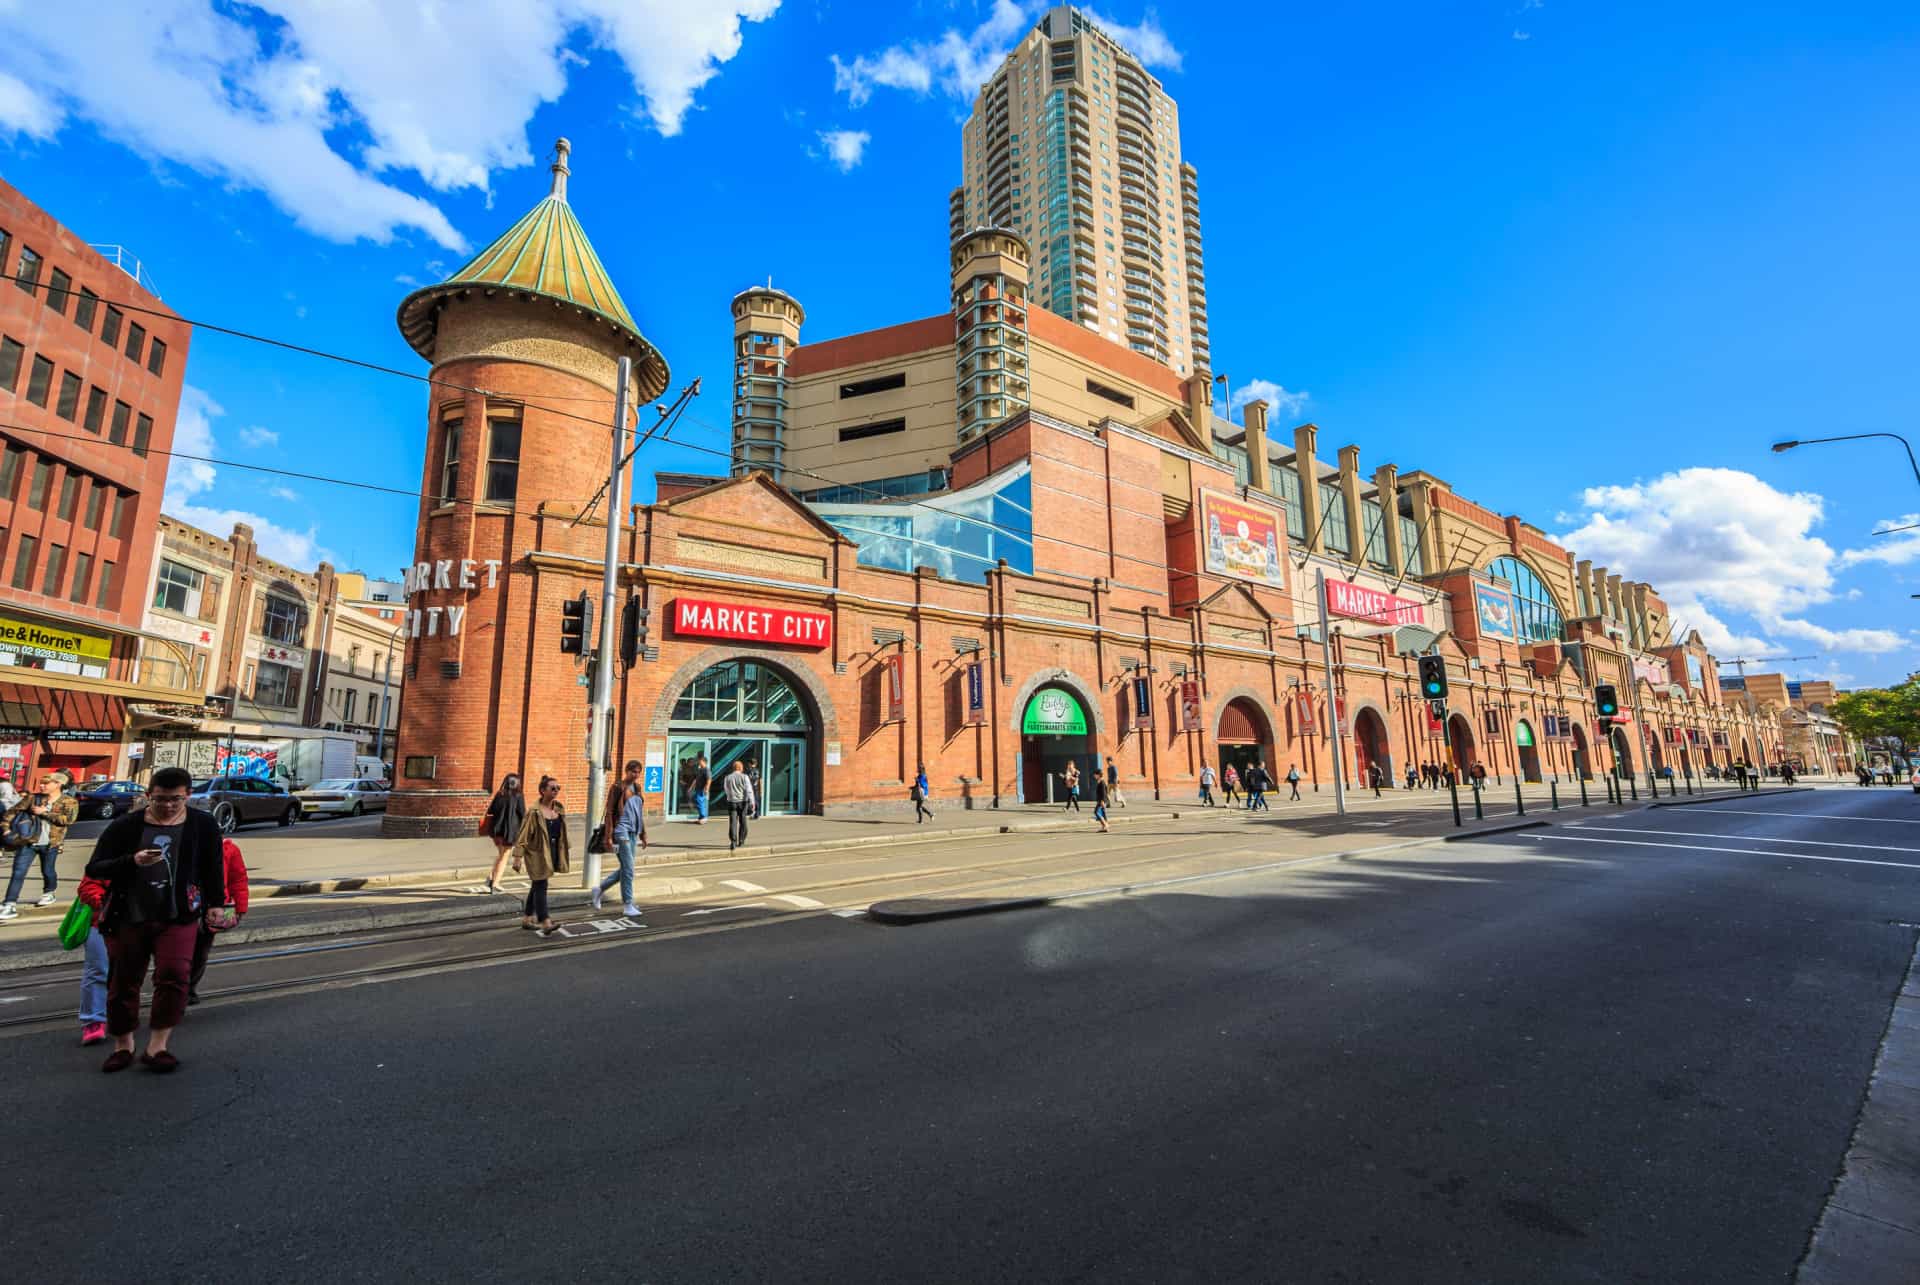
x: 1189, y: 705
x: 1242, y: 539
x: 1653, y: 670
x: 32, y: 645
x: 1142, y: 702
x: 1302, y: 711
x: 1436, y: 727
x: 894, y: 675
x: 1490, y: 718
x: 976, y: 694
x: 1340, y: 714
x: 703, y: 618
x: 1493, y: 609
x: 1358, y: 602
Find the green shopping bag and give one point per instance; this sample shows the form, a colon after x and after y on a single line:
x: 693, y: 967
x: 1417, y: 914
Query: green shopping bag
x: 77, y: 924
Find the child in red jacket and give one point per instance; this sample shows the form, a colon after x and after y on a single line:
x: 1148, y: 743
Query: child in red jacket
x: 236, y: 882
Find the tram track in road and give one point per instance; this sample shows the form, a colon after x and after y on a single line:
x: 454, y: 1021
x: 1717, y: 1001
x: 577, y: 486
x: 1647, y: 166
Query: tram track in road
x: 974, y: 877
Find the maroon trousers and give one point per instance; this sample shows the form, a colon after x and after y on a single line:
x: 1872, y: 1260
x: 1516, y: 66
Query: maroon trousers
x: 129, y: 947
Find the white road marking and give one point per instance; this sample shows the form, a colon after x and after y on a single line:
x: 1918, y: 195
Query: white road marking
x: 742, y: 885
x: 1824, y: 816
x: 716, y: 910
x: 20, y: 999
x: 1754, y: 838
x: 1752, y: 852
x: 794, y: 899
x: 852, y: 912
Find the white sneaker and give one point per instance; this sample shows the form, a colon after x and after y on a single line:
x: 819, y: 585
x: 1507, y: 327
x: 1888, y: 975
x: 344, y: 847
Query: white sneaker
x: 46, y: 899
x: 631, y: 909
x: 8, y: 910
x: 596, y: 898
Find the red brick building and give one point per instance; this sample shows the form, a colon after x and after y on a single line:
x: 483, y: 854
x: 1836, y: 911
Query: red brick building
x: 1074, y: 589
x: 90, y: 375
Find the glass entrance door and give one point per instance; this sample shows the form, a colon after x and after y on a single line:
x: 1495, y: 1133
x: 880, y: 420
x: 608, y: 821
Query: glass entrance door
x: 785, y: 777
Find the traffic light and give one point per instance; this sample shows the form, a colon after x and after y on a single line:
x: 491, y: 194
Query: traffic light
x: 576, y: 625
x: 630, y: 617
x: 1433, y: 678
x: 1605, y: 701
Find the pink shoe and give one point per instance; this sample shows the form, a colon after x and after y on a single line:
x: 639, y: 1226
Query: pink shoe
x: 93, y: 1033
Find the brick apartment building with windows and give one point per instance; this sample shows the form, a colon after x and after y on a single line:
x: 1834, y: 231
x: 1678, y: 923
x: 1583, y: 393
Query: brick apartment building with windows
x: 91, y: 364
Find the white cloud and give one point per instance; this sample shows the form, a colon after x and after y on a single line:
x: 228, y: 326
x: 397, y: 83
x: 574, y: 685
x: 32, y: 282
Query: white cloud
x: 286, y: 493
x: 1523, y: 35
x: 189, y: 480
x: 1715, y: 540
x: 1281, y: 403
x: 958, y: 63
x: 845, y: 147
x: 255, y: 435
x: 257, y: 96
x: 24, y: 112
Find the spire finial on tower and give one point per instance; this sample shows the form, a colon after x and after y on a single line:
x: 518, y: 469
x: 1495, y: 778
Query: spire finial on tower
x: 561, y: 150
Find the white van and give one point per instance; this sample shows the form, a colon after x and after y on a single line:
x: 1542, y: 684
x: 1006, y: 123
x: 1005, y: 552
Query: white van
x: 368, y: 768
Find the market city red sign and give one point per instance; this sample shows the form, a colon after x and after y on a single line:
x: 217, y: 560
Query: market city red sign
x: 1362, y: 603
x: 705, y: 619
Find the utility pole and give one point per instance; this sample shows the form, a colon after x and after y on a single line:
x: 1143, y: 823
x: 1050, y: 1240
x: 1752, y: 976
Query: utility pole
x: 1333, y: 695
x: 380, y: 715
x: 599, y: 733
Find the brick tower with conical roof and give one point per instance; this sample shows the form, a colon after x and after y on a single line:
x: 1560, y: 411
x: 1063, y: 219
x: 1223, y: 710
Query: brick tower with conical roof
x: 524, y: 342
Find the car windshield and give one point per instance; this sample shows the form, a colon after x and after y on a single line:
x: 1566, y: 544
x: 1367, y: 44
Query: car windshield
x: 202, y: 784
x: 339, y: 783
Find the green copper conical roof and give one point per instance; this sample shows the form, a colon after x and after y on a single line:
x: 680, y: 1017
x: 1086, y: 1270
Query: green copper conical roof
x: 545, y: 254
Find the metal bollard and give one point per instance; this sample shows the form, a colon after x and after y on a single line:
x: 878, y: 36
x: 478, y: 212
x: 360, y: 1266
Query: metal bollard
x: 1553, y: 788
x: 1635, y: 787
x: 1585, y: 802
x: 1519, y: 803
x: 1478, y: 813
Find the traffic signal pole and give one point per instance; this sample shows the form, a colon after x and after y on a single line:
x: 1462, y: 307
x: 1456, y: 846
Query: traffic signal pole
x: 598, y: 733
x: 1333, y: 697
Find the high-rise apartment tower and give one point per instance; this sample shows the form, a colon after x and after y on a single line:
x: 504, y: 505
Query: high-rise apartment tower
x: 1076, y: 146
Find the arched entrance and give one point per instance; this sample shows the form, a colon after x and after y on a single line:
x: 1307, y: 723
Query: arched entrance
x: 1529, y: 752
x: 1055, y: 731
x: 1622, y: 754
x: 1245, y: 737
x: 1370, y: 746
x: 1460, y: 741
x: 1746, y: 755
x: 1582, y: 757
x: 744, y: 711
x: 1655, y: 753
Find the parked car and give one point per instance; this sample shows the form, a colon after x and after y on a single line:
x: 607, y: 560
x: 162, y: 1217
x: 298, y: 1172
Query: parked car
x: 343, y: 797
x: 105, y: 799
x: 240, y: 800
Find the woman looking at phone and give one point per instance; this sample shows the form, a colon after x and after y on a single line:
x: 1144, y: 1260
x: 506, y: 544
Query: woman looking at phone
x: 165, y: 877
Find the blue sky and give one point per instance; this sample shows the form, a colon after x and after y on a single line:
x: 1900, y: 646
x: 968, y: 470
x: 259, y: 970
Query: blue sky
x: 1584, y: 261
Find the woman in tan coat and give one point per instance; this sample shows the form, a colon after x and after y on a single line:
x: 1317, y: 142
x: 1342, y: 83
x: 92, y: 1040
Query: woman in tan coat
x: 543, y: 848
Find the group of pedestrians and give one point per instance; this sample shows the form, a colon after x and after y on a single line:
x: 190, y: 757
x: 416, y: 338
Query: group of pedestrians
x: 33, y: 827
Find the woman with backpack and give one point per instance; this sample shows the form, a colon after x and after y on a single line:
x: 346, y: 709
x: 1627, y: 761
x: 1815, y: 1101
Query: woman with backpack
x: 1229, y: 782
x: 505, y: 815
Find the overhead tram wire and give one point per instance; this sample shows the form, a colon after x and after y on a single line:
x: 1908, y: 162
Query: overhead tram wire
x: 376, y: 367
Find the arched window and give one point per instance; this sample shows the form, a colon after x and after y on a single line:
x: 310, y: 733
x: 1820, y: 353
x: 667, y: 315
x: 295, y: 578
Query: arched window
x: 741, y: 694
x: 1537, y: 613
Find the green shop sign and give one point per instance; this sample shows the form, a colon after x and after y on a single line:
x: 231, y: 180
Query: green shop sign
x: 1053, y: 712
x: 1523, y: 735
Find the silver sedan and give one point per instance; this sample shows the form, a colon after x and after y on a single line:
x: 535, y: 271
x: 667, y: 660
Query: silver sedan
x: 343, y: 797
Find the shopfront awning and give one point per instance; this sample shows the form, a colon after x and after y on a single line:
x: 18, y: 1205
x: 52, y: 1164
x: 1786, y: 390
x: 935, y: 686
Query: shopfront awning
x: 51, y: 714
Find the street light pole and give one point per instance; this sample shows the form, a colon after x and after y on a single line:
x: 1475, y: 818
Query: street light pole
x: 1333, y: 697
x: 598, y: 735
x: 1779, y: 447
x: 380, y: 715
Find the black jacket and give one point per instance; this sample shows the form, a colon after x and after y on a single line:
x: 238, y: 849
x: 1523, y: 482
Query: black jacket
x: 199, y: 871
x: 505, y: 815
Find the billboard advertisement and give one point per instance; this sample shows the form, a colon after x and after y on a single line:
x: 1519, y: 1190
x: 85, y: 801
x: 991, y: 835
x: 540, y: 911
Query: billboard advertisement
x: 1493, y: 609
x: 1243, y: 540
x: 1189, y: 705
x: 1361, y: 603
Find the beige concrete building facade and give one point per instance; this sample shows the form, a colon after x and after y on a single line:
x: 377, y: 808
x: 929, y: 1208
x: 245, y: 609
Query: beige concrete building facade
x: 1076, y: 146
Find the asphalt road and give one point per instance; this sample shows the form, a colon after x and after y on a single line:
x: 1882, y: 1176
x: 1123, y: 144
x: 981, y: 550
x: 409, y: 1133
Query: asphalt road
x: 1614, y: 1050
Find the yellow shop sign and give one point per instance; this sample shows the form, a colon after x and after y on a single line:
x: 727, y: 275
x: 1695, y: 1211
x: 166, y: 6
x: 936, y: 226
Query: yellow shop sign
x: 49, y: 642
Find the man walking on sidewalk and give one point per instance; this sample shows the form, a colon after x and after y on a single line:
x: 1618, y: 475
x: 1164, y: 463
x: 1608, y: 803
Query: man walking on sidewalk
x: 1114, y: 796
x: 1206, y: 784
x: 1293, y: 782
x: 626, y: 820
x: 740, y: 803
x: 1257, y: 784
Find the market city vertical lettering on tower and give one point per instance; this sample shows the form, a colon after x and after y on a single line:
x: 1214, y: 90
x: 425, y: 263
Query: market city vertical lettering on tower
x: 705, y: 618
x: 461, y: 577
